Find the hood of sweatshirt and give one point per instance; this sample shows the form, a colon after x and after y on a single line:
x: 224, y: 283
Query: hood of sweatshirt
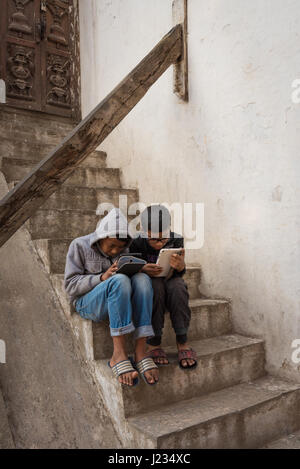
x: 114, y: 223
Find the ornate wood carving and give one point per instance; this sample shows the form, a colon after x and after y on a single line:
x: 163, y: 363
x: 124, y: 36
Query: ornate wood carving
x: 19, y: 22
x: 20, y: 68
x: 39, y: 55
x: 58, y: 80
x: 75, y: 63
x: 57, y: 33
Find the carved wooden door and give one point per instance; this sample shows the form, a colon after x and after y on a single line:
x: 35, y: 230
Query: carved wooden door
x: 38, y: 60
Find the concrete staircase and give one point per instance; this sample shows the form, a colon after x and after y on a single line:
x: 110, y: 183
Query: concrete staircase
x: 228, y: 401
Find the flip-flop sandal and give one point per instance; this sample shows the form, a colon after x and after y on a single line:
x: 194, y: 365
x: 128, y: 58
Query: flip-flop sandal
x: 158, y: 353
x: 144, y: 365
x: 188, y: 354
x: 124, y: 366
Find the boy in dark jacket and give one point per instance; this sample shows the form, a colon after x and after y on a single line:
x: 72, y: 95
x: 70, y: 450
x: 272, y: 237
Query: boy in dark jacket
x: 169, y: 292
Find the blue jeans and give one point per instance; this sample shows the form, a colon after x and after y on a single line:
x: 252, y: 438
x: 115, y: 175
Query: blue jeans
x: 126, y: 302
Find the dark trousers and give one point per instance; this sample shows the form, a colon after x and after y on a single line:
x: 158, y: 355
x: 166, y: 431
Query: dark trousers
x: 171, y: 295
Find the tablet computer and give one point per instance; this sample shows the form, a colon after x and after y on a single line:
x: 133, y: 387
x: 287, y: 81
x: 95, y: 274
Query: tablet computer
x: 164, y: 260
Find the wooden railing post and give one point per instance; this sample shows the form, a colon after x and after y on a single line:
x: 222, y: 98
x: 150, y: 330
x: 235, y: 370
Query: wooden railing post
x: 22, y: 201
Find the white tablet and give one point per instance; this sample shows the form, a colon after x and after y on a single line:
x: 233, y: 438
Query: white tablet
x: 164, y: 260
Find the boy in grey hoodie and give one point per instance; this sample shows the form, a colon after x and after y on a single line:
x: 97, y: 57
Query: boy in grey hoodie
x: 98, y: 293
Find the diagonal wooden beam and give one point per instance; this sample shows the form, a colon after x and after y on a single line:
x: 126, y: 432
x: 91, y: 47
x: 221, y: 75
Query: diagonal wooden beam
x: 22, y: 201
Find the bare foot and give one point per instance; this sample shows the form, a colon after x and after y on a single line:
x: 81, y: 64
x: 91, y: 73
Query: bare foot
x: 158, y: 360
x: 188, y: 362
x: 125, y: 378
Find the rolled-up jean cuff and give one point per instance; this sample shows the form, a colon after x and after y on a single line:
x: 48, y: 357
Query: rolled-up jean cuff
x: 143, y: 331
x: 122, y: 330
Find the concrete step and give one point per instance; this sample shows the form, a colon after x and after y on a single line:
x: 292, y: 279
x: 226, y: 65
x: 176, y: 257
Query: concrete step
x: 214, y: 315
x: 97, y: 159
x: 15, y: 169
x: 35, y: 127
x: 95, y: 178
x: 26, y: 155
x: 88, y: 198
x: 222, y: 361
x: 63, y: 224
x: 6, y: 439
x: 24, y: 149
x: 40, y: 136
x: 54, y: 252
x: 291, y: 441
x: 83, y: 177
x: 52, y: 224
x: 193, y: 278
x: 246, y: 415
x: 209, y: 318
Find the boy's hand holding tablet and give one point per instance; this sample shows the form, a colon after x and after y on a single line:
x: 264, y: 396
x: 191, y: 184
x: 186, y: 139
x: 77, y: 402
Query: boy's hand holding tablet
x: 153, y: 270
x: 170, y: 258
x: 177, y: 261
x: 167, y: 259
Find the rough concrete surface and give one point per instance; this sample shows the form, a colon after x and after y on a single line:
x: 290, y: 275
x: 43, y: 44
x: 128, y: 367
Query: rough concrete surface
x: 291, y: 441
x: 6, y: 440
x: 243, y: 416
x: 51, y: 401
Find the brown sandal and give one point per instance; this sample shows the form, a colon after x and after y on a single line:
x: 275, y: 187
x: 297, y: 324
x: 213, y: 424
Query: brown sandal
x: 188, y: 354
x: 158, y: 353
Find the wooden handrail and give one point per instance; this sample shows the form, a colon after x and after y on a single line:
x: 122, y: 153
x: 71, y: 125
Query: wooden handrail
x: 29, y: 194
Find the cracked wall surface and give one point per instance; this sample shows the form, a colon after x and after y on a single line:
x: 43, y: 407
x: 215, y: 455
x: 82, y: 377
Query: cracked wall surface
x: 234, y: 146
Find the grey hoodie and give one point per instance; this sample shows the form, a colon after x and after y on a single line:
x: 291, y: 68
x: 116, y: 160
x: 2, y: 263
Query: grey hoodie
x: 85, y: 260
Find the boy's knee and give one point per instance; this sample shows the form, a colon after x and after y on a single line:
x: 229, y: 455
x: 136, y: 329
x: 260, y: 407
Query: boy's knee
x: 120, y: 281
x: 142, y: 281
x: 176, y: 284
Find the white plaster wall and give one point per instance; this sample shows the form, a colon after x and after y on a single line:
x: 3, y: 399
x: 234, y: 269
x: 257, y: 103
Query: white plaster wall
x: 234, y: 146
